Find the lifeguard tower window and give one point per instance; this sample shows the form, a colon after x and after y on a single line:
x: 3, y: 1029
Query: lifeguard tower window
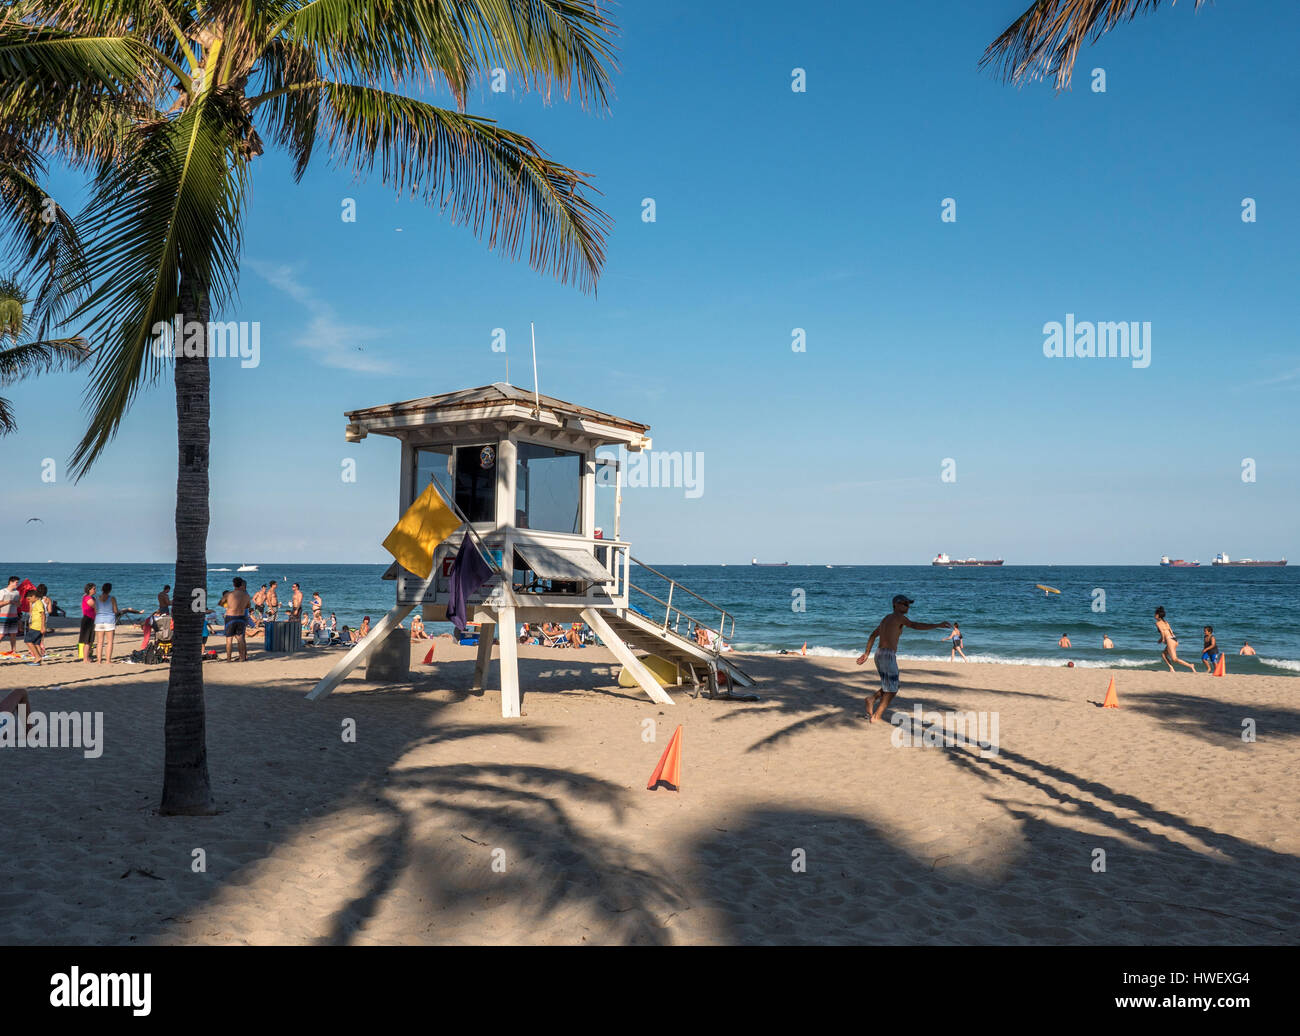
x: 476, y: 482
x: 548, y: 489
x: 433, y: 463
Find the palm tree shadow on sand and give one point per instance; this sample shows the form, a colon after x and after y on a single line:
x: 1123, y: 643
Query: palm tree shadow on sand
x: 1037, y: 886
x: 550, y: 867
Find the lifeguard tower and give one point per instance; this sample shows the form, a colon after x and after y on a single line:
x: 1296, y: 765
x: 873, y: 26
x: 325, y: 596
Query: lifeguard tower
x: 523, y: 471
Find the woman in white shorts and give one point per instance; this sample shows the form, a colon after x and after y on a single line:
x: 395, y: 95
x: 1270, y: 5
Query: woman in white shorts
x: 105, y: 623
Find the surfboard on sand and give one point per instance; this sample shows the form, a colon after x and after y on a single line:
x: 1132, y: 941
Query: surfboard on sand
x: 664, y: 672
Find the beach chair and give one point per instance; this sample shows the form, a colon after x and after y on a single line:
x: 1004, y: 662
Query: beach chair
x: 553, y: 640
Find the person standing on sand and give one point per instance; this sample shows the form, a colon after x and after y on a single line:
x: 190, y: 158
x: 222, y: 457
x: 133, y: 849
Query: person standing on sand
x: 259, y: 602
x: 86, y: 635
x: 1246, y: 649
x: 9, y: 604
x: 295, y: 606
x: 316, y: 607
x: 105, y: 624
x: 164, y: 601
x: 237, y: 603
x: 272, y: 603
x: 37, y: 624
x: 955, y: 637
x: 1106, y: 642
x: 889, y: 630
x: 1170, y: 641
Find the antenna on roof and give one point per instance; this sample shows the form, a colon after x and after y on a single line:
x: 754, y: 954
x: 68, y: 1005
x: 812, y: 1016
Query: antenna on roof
x: 537, y: 399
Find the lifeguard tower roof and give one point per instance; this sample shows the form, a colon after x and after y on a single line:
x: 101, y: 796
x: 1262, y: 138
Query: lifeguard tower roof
x: 420, y: 418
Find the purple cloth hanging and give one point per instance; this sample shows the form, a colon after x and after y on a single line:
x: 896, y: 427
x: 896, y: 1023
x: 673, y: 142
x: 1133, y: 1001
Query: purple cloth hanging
x: 468, y: 572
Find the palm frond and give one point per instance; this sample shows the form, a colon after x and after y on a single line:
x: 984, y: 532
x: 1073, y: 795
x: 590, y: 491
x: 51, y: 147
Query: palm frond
x: 541, y: 43
x: 32, y: 358
x: 44, y: 238
x: 495, y: 181
x: 1044, y: 42
x: 175, y: 209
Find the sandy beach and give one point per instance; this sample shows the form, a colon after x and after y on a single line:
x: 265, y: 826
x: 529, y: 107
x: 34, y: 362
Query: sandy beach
x: 797, y: 821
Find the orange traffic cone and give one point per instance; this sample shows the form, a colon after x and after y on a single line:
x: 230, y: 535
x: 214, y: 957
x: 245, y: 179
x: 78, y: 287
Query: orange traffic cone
x: 804, y: 649
x: 428, y: 659
x: 669, y: 770
x: 1221, y: 669
x: 1112, y: 700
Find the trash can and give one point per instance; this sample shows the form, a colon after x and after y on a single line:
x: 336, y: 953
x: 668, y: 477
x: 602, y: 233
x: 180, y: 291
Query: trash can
x: 283, y: 638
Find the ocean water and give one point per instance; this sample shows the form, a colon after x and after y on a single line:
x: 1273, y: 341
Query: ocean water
x: 1003, y: 617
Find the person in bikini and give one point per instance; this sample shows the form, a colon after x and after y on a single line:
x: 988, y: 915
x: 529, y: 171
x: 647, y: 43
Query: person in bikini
x: 1170, y: 640
x: 888, y: 632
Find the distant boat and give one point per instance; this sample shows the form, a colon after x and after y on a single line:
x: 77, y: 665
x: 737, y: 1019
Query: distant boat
x: 1177, y: 562
x: 943, y: 559
x: 246, y: 568
x: 768, y: 564
x: 1223, y: 559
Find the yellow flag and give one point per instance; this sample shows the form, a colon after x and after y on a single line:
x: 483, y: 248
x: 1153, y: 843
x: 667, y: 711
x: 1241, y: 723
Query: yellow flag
x: 426, y: 523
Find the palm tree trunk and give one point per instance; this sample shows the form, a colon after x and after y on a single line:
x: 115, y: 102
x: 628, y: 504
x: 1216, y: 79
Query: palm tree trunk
x: 186, y: 789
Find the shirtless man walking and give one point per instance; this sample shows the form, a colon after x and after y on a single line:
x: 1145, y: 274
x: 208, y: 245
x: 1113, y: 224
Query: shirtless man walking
x: 272, y: 602
x: 236, y: 602
x: 295, y: 608
x: 259, y: 601
x: 891, y: 626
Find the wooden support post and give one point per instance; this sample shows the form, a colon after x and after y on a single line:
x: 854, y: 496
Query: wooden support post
x: 358, y: 653
x: 644, y: 678
x: 509, y: 664
x: 485, y: 634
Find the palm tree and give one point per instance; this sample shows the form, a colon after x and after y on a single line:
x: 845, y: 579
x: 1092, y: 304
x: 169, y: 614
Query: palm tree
x: 167, y: 104
x: 22, y: 359
x: 1045, y: 40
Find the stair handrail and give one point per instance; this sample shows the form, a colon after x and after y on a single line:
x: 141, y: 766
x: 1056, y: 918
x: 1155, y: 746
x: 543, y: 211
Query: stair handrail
x: 673, y: 584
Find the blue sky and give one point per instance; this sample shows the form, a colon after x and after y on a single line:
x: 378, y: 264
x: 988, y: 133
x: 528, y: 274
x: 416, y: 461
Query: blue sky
x: 779, y: 210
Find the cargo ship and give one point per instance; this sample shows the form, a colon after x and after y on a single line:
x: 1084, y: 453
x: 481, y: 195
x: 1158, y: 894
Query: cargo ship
x: 1223, y: 559
x: 1177, y: 562
x: 768, y: 564
x: 943, y: 559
